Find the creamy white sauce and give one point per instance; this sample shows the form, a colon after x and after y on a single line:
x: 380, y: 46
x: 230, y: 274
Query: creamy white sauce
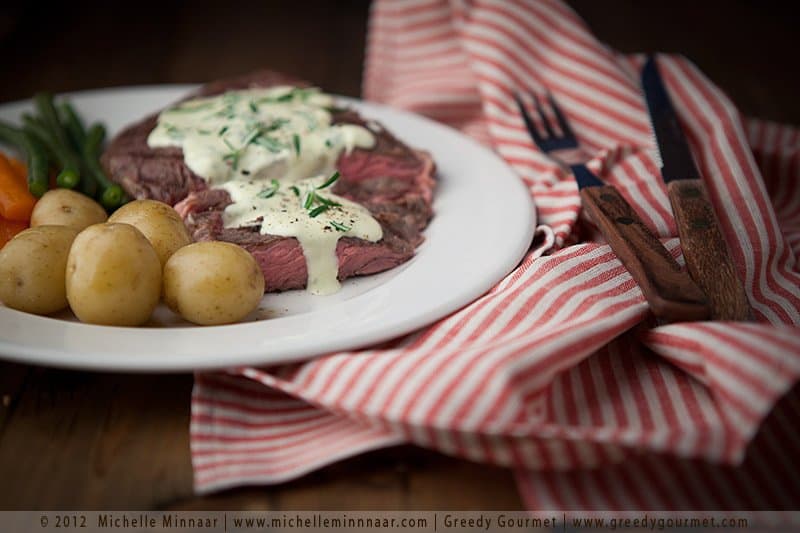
x: 273, y: 150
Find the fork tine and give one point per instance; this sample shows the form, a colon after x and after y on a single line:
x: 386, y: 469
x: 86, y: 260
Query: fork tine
x: 562, y: 121
x: 526, y: 118
x: 550, y: 133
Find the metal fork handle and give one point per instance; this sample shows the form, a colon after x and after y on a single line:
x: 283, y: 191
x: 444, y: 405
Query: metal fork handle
x: 668, y: 289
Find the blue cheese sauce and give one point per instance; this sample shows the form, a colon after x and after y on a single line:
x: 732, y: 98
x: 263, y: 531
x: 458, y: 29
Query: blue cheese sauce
x: 274, y: 151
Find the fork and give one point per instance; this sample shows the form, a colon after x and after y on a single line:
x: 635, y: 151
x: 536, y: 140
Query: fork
x: 668, y: 289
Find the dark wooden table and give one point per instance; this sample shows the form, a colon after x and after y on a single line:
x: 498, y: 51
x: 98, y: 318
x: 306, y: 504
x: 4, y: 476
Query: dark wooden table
x: 92, y: 441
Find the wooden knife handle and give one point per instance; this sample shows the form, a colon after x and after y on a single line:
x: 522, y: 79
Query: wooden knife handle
x: 707, y: 256
x: 669, y: 290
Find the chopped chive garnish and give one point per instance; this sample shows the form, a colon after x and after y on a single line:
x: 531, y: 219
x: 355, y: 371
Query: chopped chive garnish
x: 190, y: 108
x: 295, y: 190
x: 204, y: 132
x: 276, y: 124
x: 330, y: 181
x: 309, y: 118
x: 296, y: 139
x: 269, y: 143
x: 279, y: 123
x: 229, y: 145
x: 308, y: 201
x: 173, y: 132
x: 251, y: 136
x: 270, y: 191
x: 303, y: 94
x: 340, y: 227
x: 328, y: 143
x: 222, y: 131
x: 225, y: 112
x: 253, y: 107
x: 325, y: 201
x: 232, y: 159
x: 317, y: 210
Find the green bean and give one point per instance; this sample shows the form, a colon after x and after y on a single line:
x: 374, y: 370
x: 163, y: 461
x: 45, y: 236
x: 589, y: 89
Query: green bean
x: 38, y: 167
x: 12, y: 136
x: 94, y: 140
x: 35, y: 153
x: 49, y: 117
x: 67, y: 179
x: 46, y: 146
x: 111, y: 195
x: 76, y: 131
x: 72, y: 172
x: 33, y: 126
x: 56, y: 132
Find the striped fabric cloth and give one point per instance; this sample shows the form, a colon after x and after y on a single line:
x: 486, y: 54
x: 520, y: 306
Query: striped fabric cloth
x: 560, y: 367
x: 768, y: 479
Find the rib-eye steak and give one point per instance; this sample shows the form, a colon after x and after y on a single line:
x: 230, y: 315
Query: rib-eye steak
x: 393, y: 181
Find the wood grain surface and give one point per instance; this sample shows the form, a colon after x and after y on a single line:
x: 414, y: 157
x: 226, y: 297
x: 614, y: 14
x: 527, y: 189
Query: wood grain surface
x: 81, y: 440
x: 707, y: 255
x: 670, y: 292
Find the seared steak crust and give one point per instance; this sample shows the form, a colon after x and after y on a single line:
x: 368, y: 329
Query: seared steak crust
x: 392, y: 180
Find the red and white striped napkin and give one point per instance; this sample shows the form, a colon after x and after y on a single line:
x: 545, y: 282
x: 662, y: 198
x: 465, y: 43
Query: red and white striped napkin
x: 560, y: 366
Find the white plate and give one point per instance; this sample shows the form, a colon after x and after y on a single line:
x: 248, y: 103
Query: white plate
x: 483, y: 224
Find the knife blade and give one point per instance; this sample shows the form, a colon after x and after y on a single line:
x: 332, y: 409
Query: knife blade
x: 708, y: 258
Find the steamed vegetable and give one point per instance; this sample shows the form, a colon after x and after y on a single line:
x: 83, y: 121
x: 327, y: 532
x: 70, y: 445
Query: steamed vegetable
x: 19, y: 167
x: 10, y: 228
x: 32, y: 269
x: 37, y: 157
x: 67, y: 208
x: 36, y: 130
x: 55, y: 136
x: 76, y: 131
x: 212, y: 283
x: 113, y: 276
x: 111, y: 195
x: 16, y: 201
x: 160, y: 223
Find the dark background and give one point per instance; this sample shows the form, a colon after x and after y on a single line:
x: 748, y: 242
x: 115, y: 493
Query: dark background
x: 92, y: 441
x: 748, y: 47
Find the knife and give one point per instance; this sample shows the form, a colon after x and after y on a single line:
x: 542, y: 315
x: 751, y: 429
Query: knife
x: 707, y: 255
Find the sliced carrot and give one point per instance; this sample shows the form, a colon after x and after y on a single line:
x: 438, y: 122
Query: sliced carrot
x: 20, y: 169
x: 16, y: 202
x: 9, y: 228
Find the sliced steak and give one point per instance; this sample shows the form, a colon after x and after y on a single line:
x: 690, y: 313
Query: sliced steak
x: 392, y: 180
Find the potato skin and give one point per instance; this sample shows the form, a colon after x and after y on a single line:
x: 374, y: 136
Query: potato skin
x: 159, y: 222
x: 63, y: 207
x: 113, y: 275
x: 33, y: 269
x: 212, y: 283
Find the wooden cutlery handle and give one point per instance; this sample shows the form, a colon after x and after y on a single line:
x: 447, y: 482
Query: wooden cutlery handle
x: 669, y: 290
x: 707, y: 256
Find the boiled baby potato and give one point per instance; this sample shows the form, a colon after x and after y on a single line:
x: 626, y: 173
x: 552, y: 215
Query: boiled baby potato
x: 32, y: 269
x: 113, y: 275
x: 212, y: 283
x: 64, y: 207
x: 160, y: 223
